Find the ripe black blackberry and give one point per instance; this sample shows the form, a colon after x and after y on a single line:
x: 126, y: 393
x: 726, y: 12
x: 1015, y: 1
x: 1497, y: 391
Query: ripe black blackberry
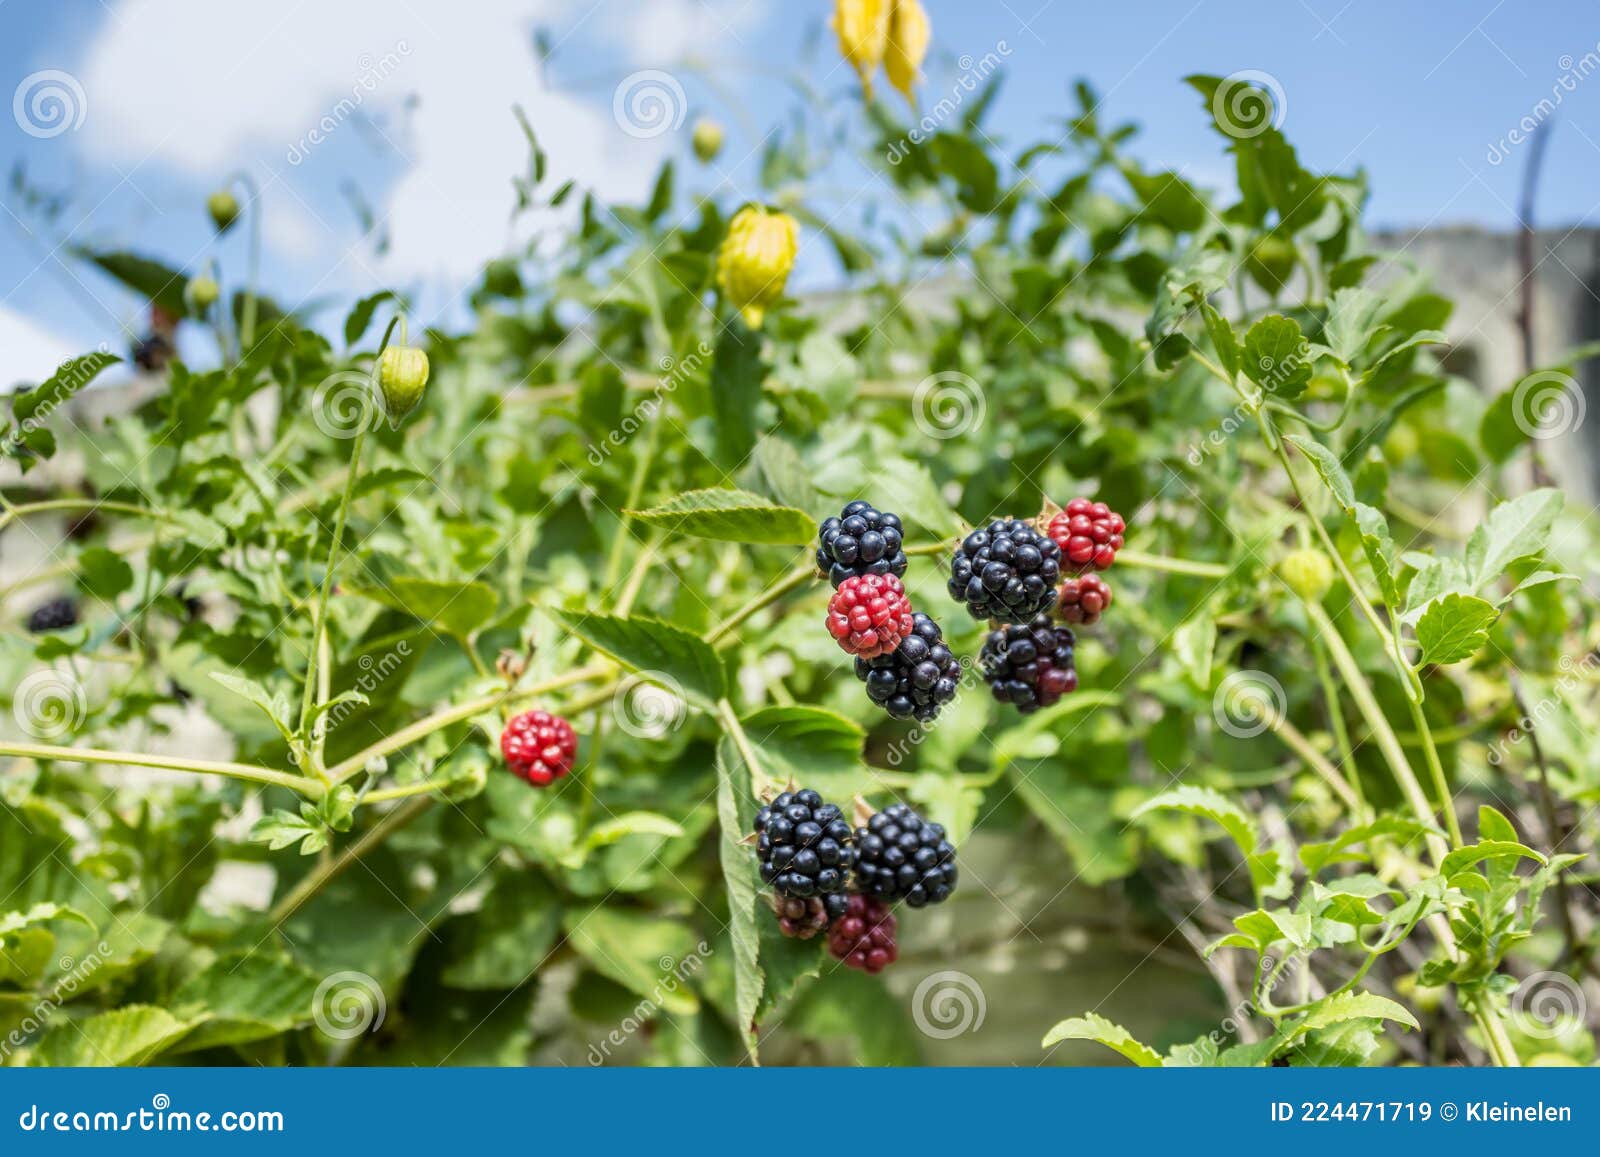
x: 55, y: 615
x: 901, y: 856
x: 860, y: 541
x: 1029, y: 665
x: 919, y: 678
x: 804, y: 846
x: 1006, y: 571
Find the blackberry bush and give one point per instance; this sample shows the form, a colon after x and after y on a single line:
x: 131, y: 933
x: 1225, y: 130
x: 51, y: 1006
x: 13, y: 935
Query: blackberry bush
x: 901, y: 856
x: 1005, y: 571
x: 804, y: 845
x: 918, y: 678
x: 1029, y: 666
x: 861, y: 541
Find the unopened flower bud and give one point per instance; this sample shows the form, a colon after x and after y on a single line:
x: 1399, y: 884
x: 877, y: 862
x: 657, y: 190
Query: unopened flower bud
x: 909, y: 34
x: 1308, y: 573
x: 755, y: 259
x: 224, y: 209
x: 707, y: 139
x: 202, y: 293
x: 863, y: 30
x: 402, y: 376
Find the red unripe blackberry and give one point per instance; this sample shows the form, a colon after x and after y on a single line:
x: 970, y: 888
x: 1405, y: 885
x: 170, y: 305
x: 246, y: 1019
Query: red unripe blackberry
x: 803, y: 919
x: 869, y: 615
x: 864, y: 937
x: 1084, y: 599
x: 1089, y: 535
x: 539, y: 747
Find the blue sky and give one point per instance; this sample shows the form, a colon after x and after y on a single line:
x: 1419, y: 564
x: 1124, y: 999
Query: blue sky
x: 167, y: 97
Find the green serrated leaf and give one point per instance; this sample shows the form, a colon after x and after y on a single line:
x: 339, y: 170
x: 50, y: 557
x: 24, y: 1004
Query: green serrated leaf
x: 1453, y: 628
x: 1095, y: 1027
x: 666, y: 655
x: 1277, y: 358
x: 731, y: 516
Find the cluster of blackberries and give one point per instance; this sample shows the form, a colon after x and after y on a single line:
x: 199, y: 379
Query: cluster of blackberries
x: 899, y: 654
x: 861, y: 541
x: 1006, y: 571
x: 1030, y: 665
x: 917, y: 678
x: 55, y: 615
x: 824, y: 875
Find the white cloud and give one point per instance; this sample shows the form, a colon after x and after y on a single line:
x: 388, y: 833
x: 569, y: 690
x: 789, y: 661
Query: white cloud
x: 665, y: 32
x: 208, y: 87
x: 32, y: 352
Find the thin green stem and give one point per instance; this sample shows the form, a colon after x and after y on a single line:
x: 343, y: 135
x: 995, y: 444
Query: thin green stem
x: 796, y: 578
x: 406, y: 790
x: 1336, y: 723
x: 1436, y: 772
x: 1137, y: 558
x: 324, y: 873
x: 760, y: 781
x: 241, y: 771
x: 92, y: 504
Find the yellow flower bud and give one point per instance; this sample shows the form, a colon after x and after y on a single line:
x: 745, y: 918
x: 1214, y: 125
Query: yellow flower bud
x: 863, y: 30
x: 707, y: 139
x: 224, y: 209
x: 1308, y: 573
x: 909, y: 34
x: 754, y: 261
x: 402, y: 376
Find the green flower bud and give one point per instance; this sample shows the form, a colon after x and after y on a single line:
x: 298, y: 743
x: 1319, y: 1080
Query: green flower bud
x: 402, y: 376
x: 224, y: 209
x: 1308, y: 573
x: 1272, y: 262
x: 202, y: 293
x: 707, y: 139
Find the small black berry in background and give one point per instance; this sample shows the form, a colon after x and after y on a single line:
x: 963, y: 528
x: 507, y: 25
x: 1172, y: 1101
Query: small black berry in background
x: 901, y: 856
x: 919, y: 678
x: 1029, y: 666
x: 1005, y: 571
x: 804, y: 846
x: 803, y: 919
x: 55, y: 615
x: 865, y: 937
x: 860, y: 541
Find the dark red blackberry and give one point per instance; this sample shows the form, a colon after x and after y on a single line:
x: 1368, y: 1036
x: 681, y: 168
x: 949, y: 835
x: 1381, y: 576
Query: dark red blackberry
x: 55, y: 615
x: 869, y: 615
x: 804, y: 845
x: 803, y: 919
x: 1084, y: 599
x: 1005, y: 571
x: 901, y: 856
x: 1088, y: 533
x: 860, y: 541
x: 539, y: 747
x: 919, y: 678
x: 864, y: 937
x: 1029, y: 666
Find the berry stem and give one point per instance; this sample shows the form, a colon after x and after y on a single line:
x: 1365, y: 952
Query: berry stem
x: 250, y: 773
x: 791, y: 581
x: 760, y: 781
x: 325, y: 872
x: 1295, y: 739
x: 90, y: 504
x: 1173, y: 565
